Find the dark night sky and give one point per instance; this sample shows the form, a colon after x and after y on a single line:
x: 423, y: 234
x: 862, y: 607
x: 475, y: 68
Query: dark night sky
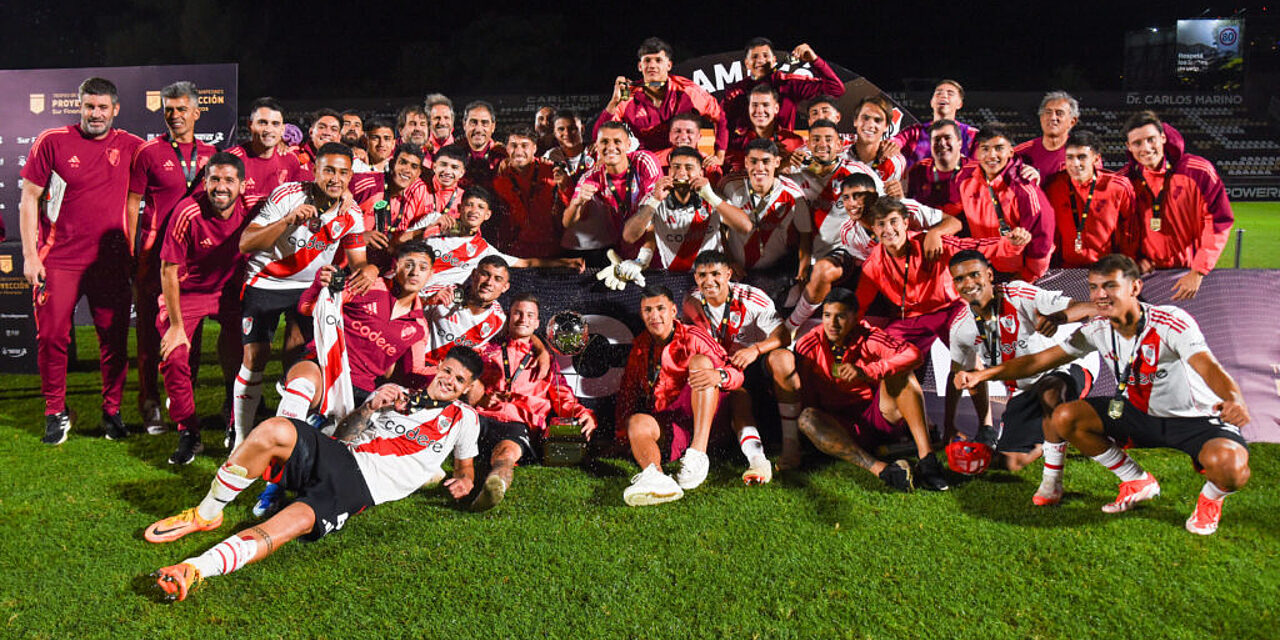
x: 326, y: 49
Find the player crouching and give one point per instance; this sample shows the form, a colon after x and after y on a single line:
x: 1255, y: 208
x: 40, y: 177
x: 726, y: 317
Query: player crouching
x: 382, y: 452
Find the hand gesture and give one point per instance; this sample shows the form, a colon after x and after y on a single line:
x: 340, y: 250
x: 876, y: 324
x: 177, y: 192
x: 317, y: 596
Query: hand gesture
x: 1019, y: 236
x: 804, y: 53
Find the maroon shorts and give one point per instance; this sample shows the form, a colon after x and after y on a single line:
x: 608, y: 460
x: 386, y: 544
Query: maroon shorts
x: 921, y: 330
x: 867, y: 425
x: 676, y: 423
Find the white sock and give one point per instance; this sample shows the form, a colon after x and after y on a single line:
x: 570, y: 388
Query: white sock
x: 749, y: 442
x: 789, y: 412
x: 1120, y: 464
x: 296, y: 400
x: 1213, y: 492
x: 1055, y: 456
x: 246, y: 393
x: 227, y: 483
x: 801, y: 314
x: 226, y: 556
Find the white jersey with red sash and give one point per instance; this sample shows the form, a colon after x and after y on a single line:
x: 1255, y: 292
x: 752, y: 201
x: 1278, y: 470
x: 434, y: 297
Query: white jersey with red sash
x: 299, y: 252
x: 457, y: 257
x: 331, y: 352
x: 684, y: 231
x: 822, y: 192
x: 457, y: 324
x: 747, y: 317
x: 1011, y: 334
x: 403, y: 451
x: 777, y: 219
x: 859, y: 242
x: 1160, y: 381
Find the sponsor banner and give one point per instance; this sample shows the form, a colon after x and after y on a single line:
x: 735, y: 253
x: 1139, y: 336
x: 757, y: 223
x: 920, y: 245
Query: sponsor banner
x: 34, y: 100
x: 1267, y: 191
x: 17, y: 320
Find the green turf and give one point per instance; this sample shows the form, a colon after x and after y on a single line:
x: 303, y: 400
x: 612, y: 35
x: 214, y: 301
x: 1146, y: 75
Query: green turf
x: 823, y: 553
x: 1261, y: 247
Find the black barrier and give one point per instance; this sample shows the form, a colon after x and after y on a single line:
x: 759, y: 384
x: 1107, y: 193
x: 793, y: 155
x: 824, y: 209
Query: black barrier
x: 17, y: 320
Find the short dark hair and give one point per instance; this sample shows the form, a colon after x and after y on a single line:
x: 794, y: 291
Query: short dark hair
x: 522, y: 131
x: 762, y: 144
x: 224, y: 159
x: 477, y: 191
x: 955, y: 83
x: 417, y: 245
x: 453, y: 153
x: 179, y: 89
x: 824, y: 99
x: 656, y: 290
x: 822, y: 123
x: 493, y: 261
x: 566, y: 114
x: 757, y: 41
x: 265, y: 102
x: 765, y: 87
x: 616, y: 125
x: 468, y: 358
x: 352, y: 112
x: 857, y: 179
x: 688, y: 116
x: 712, y: 256
x: 944, y: 123
x: 480, y: 104
x: 334, y: 149
x: 654, y: 45
x: 402, y: 116
x: 840, y: 295
x: 96, y: 86
x: 527, y: 296
x: 409, y: 148
x: 685, y: 151
x: 967, y: 255
x: 379, y: 123
x: 1142, y: 119
x: 1116, y: 262
x: 1084, y: 138
x: 991, y: 131
x: 887, y: 205
x: 321, y: 113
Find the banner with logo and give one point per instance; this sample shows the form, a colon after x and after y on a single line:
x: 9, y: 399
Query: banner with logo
x: 33, y: 100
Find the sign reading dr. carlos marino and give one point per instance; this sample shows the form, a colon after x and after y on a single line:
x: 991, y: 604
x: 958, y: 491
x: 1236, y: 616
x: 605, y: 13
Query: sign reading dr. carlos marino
x: 33, y: 100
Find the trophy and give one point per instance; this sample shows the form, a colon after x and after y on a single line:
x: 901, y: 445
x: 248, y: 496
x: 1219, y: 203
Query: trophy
x: 565, y: 446
x: 567, y: 333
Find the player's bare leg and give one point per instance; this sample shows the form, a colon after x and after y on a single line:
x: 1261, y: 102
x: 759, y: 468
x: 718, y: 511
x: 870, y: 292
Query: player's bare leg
x: 1080, y: 425
x: 694, y: 463
x: 822, y: 276
x: 502, y: 467
x: 833, y: 439
x: 1226, y: 469
x: 294, y: 346
x: 786, y: 389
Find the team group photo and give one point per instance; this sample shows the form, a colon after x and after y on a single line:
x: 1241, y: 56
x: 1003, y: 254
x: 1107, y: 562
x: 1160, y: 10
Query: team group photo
x: 744, y: 329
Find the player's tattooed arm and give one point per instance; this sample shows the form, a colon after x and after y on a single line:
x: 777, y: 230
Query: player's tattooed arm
x: 356, y: 424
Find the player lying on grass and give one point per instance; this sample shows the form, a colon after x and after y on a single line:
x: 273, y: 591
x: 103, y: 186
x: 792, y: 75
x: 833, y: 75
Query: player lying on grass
x: 382, y: 452
x: 1171, y: 393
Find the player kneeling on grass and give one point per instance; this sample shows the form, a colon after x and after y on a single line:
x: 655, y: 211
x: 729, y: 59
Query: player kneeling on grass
x: 858, y: 389
x: 1006, y: 321
x: 382, y: 452
x: 1171, y: 393
x: 677, y: 377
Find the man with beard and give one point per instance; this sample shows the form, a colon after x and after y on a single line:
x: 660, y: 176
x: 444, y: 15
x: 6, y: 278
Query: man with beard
x: 265, y: 165
x: 1059, y: 112
x: 411, y: 125
x: 201, y: 275
x: 761, y: 65
x: 483, y: 153
x: 930, y: 180
x: 164, y: 170
x: 439, y: 125
x: 75, y: 185
x: 352, y: 135
x: 543, y: 128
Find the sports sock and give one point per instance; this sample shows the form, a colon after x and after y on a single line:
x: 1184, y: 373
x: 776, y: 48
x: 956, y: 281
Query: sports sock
x: 296, y: 399
x: 1120, y: 464
x: 789, y: 412
x: 749, y: 442
x: 1055, y: 455
x: 226, y: 556
x: 801, y: 314
x: 227, y: 483
x: 247, y: 393
x: 1213, y: 491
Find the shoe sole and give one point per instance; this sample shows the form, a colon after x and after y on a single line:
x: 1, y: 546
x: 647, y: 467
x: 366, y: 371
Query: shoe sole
x: 1148, y: 493
x: 1201, y: 532
x: 1045, y: 502
x: 647, y: 498
x: 492, y: 494
x: 195, y: 452
x: 174, y: 534
x: 60, y: 440
x: 157, y: 431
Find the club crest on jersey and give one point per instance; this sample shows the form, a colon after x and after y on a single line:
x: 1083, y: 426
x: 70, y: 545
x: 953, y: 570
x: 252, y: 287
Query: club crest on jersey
x: 1007, y: 323
x: 336, y: 228
x: 113, y: 156
x: 735, y: 318
x: 406, y: 332
x: 1149, y: 353
x: 246, y: 325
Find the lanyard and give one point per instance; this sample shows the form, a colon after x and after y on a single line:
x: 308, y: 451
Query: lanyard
x: 618, y: 199
x: 837, y: 358
x: 514, y: 176
x: 188, y: 169
x: 756, y: 209
x: 655, y: 364
x: 506, y: 365
x: 435, y: 199
x: 990, y: 339
x: 1157, y: 202
x: 723, y: 331
x: 1122, y: 379
x: 906, y: 271
x: 1076, y: 214
x: 1004, y: 225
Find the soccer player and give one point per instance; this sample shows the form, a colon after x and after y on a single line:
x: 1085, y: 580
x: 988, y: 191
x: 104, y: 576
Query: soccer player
x: 859, y: 392
x: 484, y: 154
x: 326, y: 127
x: 994, y: 198
x: 685, y: 131
x: 1006, y: 321
x: 469, y: 321
x: 681, y: 217
x: 380, y: 143
x: 746, y: 324
x: 1182, y: 216
x: 674, y: 382
x: 648, y: 109
x: 444, y: 188
x: 947, y: 100
x: 405, y: 197
x: 608, y: 194
x: 163, y: 171
x: 200, y: 273
x: 780, y: 231
x: 762, y: 109
x: 266, y: 166
x: 1059, y: 112
x: 379, y: 327
x: 532, y: 198
x: 570, y: 153
x: 73, y: 245
x: 352, y: 133
x: 386, y: 450
x: 515, y: 401
x: 872, y: 119
x: 930, y: 180
x: 761, y: 63
x: 823, y: 108
x: 298, y: 230
x: 1088, y: 203
x: 1172, y: 393
x: 411, y: 123
x: 543, y: 129
x: 460, y: 252
x: 440, y: 124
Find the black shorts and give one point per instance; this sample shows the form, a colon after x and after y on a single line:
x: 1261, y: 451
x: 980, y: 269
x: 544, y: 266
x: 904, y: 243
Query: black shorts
x: 494, y: 431
x: 325, y: 476
x: 1022, y: 425
x: 260, y: 313
x: 1137, y: 429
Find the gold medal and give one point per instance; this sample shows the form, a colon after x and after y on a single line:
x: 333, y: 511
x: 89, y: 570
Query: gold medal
x: 1079, y: 243
x: 1155, y: 224
x: 1116, y: 408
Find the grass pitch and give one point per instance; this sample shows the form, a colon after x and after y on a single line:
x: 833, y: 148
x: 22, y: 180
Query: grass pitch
x: 1261, y: 246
